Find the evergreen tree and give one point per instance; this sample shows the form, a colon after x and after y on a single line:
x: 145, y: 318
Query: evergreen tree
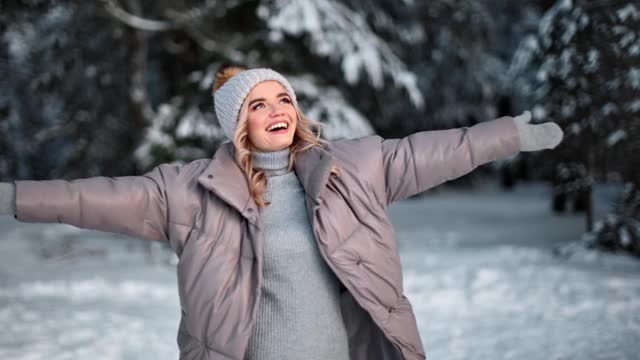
x: 64, y: 68
x: 582, y: 70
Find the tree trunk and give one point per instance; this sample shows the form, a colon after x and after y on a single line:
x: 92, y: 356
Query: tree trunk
x: 589, y: 190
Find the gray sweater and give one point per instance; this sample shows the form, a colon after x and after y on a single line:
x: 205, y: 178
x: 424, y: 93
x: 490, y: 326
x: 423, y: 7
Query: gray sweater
x: 299, y: 314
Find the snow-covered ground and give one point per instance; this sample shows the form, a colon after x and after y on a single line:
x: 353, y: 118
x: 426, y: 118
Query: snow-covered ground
x: 478, y: 268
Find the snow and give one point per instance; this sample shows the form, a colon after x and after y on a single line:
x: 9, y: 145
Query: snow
x: 195, y: 123
x: 570, y: 30
x: 609, y: 108
x: 593, y: 61
x: 205, y: 79
x: 568, y: 108
x: 18, y: 42
x: 539, y: 112
x: 70, y: 293
x: 627, y: 38
x: 341, y: 34
x: 340, y: 119
x: 633, y: 77
x: 634, y: 106
x: 177, y: 123
x: 155, y: 134
x: 625, y: 237
x: 546, y: 22
x: 565, y: 63
x: 628, y: 11
x: 478, y: 269
x: 523, y: 56
x: 616, y: 136
x: 23, y: 37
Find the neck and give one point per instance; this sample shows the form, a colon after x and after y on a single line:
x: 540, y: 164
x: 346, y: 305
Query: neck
x: 272, y: 162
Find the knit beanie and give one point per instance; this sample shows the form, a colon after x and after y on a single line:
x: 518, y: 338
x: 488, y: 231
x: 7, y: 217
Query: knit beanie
x: 228, y: 99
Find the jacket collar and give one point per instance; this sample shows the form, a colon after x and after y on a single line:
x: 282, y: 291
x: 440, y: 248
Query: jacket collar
x: 226, y: 179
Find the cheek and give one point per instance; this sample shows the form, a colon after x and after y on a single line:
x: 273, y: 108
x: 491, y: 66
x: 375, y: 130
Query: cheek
x: 254, y: 125
x: 294, y: 116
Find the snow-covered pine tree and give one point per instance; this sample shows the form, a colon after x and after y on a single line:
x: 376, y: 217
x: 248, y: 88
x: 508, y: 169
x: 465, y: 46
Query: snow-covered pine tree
x: 63, y: 71
x: 87, y: 84
x: 582, y: 70
x: 459, y: 72
x: 393, y: 66
x: 403, y: 66
x: 322, y: 46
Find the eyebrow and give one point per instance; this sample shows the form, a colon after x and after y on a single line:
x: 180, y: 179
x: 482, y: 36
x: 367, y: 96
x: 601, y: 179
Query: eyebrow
x: 263, y: 99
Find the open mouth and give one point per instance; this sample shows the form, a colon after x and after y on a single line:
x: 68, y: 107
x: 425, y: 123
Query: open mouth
x: 278, y: 128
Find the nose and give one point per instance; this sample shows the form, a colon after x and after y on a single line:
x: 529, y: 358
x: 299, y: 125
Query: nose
x: 275, y: 110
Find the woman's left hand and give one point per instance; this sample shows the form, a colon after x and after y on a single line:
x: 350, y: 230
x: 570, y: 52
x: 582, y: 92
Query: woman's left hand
x: 534, y: 137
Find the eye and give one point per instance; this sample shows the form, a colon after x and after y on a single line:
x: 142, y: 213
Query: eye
x: 286, y: 100
x: 256, y: 106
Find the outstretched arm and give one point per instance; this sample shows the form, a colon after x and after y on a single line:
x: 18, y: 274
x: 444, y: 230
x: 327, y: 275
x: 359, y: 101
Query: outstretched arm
x: 132, y: 205
x: 426, y: 159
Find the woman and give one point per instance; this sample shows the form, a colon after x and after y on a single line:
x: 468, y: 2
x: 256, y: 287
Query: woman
x: 284, y: 245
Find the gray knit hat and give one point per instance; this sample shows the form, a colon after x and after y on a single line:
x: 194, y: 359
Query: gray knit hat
x: 229, y: 97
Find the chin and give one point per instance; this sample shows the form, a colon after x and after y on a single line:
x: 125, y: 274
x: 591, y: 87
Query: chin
x: 280, y: 145
x: 272, y: 147
x: 284, y: 146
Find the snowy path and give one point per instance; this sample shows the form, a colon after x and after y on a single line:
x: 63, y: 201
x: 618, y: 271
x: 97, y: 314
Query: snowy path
x: 478, y: 269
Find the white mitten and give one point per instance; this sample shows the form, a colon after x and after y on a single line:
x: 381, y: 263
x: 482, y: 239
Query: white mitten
x: 7, y: 199
x: 534, y: 137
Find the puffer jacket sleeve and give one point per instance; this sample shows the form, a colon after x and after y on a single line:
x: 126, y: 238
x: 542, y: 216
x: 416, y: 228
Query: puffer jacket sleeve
x: 131, y: 205
x: 426, y: 159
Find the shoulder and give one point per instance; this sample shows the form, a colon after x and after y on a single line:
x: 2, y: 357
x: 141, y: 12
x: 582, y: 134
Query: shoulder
x: 177, y: 172
x: 362, y: 146
x: 361, y: 155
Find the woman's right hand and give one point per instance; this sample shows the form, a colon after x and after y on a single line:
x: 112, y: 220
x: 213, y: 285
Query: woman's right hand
x: 7, y: 199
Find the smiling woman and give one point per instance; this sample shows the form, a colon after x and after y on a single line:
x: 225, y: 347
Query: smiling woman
x: 285, y: 248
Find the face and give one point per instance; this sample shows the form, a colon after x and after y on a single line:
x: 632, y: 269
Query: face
x: 269, y: 104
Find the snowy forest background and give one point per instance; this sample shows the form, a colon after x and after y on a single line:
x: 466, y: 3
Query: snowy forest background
x: 116, y: 87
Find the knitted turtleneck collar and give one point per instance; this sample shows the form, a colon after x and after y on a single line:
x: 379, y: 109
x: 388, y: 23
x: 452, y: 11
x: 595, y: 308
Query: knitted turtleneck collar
x: 272, y: 162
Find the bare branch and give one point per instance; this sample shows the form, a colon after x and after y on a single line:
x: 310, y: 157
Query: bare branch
x: 135, y: 21
x: 194, y: 14
x: 176, y: 19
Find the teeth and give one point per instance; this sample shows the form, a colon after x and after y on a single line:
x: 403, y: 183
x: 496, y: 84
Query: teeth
x: 277, y: 125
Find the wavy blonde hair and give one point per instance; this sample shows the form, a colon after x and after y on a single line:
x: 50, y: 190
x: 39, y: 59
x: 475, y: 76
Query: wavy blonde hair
x: 256, y: 178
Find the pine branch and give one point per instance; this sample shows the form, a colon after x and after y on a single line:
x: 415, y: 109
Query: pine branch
x: 596, y: 4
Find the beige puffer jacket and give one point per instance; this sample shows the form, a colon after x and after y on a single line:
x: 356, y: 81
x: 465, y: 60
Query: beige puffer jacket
x: 205, y: 212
